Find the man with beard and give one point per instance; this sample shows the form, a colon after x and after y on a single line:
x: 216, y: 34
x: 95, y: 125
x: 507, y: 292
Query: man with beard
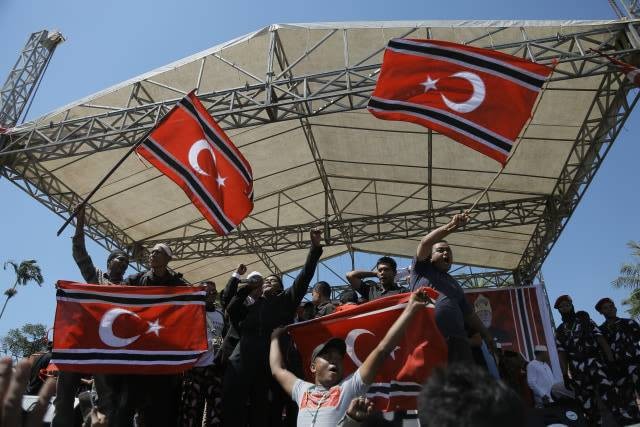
x: 580, y: 345
x: 247, y: 374
x: 433, y: 261
x: 202, y: 385
x: 623, y: 335
x: 69, y: 382
x: 386, y: 268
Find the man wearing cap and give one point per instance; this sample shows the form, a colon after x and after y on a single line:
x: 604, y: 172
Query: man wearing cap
x: 580, y: 345
x: 68, y: 383
x: 623, y: 335
x: 321, y: 299
x: 453, y: 312
x: 325, y: 402
x: 540, y: 377
x: 159, y: 273
x: 155, y: 398
x: 247, y: 374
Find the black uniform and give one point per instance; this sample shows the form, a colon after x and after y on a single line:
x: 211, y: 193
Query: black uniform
x: 155, y: 398
x: 623, y: 336
x: 248, y: 374
x: 578, y: 340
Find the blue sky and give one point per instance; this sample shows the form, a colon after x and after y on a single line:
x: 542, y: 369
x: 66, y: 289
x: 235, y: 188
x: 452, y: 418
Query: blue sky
x: 108, y: 42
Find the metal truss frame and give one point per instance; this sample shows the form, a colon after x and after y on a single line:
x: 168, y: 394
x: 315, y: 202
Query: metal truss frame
x: 25, y: 76
x: 606, y: 116
x: 484, y: 279
x: 286, y: 96
x: 282, y: 95
x: 351, y: 231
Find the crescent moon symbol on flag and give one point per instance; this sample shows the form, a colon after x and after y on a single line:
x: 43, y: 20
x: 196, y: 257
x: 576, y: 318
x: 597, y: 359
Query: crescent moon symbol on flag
x: 350, y: 341
x: 477, y: 97
x: 195, y: 149
x: 106, y: 328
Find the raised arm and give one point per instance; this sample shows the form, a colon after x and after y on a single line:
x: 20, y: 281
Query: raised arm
x: 355, y: 278
x: 235, y: 309
x: 424, y: 247
x: 231, y: 288
x: 376, y: 358
x: 284, y: 377
x: 79, y: 250
x: 298, y: 290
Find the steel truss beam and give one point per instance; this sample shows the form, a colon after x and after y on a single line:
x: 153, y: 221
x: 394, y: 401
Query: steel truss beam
x: 25, y: 75
x: 485, y: 279
x: 358, y: 230
x: 604, y: 120
x: 285, y: 96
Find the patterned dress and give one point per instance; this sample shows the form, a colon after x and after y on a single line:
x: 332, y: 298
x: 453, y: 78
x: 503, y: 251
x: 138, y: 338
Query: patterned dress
x: 623, y: 336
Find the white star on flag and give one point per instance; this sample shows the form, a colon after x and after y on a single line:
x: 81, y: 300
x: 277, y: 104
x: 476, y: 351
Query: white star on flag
x: 220, y: 180
x: 429, y: 84
x: 154, y: 327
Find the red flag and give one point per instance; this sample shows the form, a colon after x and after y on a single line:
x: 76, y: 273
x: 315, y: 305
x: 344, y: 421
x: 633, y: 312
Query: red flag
x: 128, y: 329
x: 399, y: 381
x: 478, y: 97
x: 193, y: 151
x: 631, y: 72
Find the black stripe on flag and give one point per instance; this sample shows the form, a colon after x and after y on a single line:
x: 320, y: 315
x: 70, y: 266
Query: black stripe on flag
x: 468, y: 58
x: 219, y: 142
x: 97, y: 355
x: 393, y: 387
x: 195, y: 184
x: 451, y: 122
x: 524, y: 319
x: 131, y: 300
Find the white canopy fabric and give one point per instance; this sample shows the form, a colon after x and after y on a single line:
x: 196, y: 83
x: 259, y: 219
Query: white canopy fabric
x: 373, y: 167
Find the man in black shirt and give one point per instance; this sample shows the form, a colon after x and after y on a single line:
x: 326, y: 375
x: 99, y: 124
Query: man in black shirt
x: 155, y: 398
x: 248, y: 375
x: 433, y: 261
x: 321, y: 299
x: 623, y: 336
x: 68, y: 383
x: 385, y: 272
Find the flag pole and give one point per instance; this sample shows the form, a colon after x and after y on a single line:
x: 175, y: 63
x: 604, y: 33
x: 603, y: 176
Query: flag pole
x: 108, y: 174
x: 484, y: 192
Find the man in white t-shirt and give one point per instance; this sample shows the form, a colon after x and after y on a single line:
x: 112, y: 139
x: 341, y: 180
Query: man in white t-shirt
x: 540, y: 377
x: 202, y: 385
x: 325, y: 403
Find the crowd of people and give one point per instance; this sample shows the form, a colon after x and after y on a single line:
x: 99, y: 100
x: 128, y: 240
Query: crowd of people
x: 252, y: 374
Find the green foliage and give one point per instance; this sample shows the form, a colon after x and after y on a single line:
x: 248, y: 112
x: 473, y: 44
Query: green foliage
x: 630, y: 278
x: 27, y: 271
x: 24, y: 341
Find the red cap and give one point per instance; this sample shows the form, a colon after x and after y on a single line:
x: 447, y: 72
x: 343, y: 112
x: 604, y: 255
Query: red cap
x: 561, y: 299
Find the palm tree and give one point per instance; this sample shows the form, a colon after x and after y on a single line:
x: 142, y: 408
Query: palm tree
x: 630, y: 278
x: 27, y: 271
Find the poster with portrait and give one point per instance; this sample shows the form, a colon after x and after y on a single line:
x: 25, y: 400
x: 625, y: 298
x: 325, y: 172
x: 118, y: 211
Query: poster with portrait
x: 518, y: 317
